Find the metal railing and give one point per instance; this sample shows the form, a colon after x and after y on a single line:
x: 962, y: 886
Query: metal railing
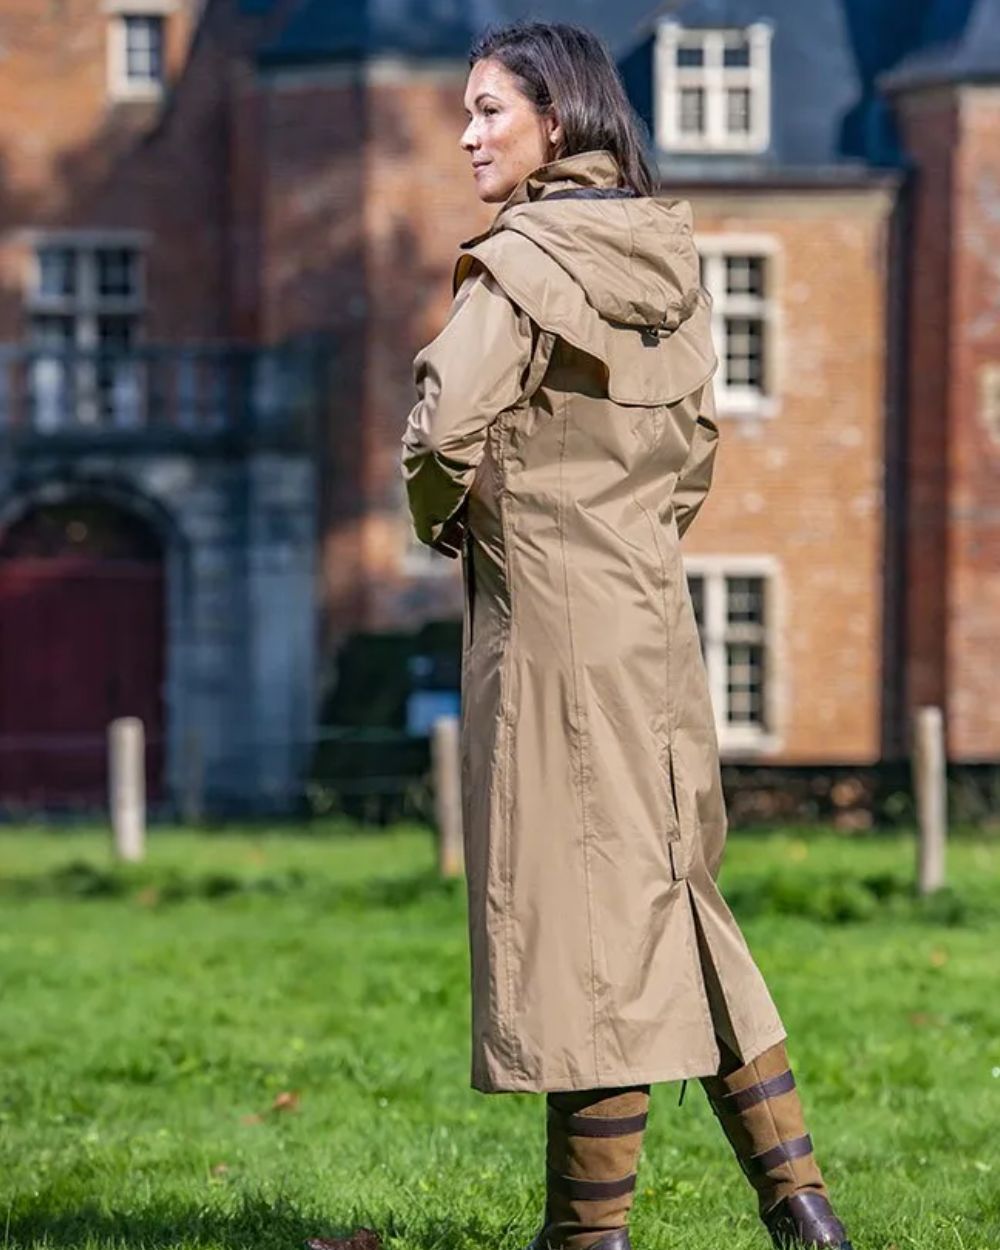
x: 201, y: 391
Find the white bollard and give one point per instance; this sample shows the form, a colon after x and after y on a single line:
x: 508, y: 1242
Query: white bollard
x: 929, y: 779
x: 127, y: 787
x: 447, y: 762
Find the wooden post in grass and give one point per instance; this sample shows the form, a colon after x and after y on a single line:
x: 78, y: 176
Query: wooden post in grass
x: 929, y: 783
x: 447, y: 762
x: 127, y: 786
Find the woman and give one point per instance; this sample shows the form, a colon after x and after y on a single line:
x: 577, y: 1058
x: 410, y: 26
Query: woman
x: 562, y: 444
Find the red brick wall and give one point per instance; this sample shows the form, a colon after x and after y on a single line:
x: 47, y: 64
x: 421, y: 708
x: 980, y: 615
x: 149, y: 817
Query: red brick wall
x: 310, y: 253
x: 421, y: 204
x: 805, y: 485
x: 974, y: 492
x: 954, y: 460
x: 365, y: 200
x: 73, y: 156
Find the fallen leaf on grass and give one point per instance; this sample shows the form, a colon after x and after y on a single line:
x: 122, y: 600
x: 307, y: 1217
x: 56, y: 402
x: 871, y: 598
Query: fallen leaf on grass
x: 939, y: 958
x: 287, y: 1100
x: 220, y: 1169
x: 925, y: 1019
x: 148, y: 897
x: 362, y: 1239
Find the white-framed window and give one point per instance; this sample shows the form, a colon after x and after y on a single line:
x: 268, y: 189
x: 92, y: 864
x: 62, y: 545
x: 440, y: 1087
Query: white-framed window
x: 137, y: 48
x: 740, y: 275
x: 84, y: 304
x: 713, y: 88
x: 735, y: 601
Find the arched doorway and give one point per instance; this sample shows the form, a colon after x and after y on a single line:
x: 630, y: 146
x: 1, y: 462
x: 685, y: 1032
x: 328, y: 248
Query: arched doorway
x: 81, y: 643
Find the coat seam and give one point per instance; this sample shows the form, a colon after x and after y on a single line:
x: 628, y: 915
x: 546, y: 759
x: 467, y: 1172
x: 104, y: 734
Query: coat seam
x: 513, y: 1046
x: 672, y: 799
x: 581, y: 737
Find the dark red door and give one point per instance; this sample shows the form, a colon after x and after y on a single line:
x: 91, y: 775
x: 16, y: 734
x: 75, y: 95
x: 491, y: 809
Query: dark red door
x: 81, y: 642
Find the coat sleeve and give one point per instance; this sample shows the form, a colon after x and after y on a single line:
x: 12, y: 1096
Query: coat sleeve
x: 465, y: 378
x: 695, y: 477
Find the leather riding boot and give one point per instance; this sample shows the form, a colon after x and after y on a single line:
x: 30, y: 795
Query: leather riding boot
x: 593, y: 1141
x: 758, y: 1107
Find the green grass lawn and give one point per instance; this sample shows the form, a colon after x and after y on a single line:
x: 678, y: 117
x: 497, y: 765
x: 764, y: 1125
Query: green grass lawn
x: 255, y: 1037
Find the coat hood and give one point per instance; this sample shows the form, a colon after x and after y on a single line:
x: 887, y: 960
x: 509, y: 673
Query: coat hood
x: 633, y: 256
x: 613, y: 273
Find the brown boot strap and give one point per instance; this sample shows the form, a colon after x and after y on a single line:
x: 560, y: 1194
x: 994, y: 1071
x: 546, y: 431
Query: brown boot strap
x: 600, y: 1125
x: 590, y: 1191
x: 784, y: 1152
x: 743, y: 1099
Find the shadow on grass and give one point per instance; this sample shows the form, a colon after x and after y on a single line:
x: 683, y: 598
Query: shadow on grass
x: 252, y: 1224
x: 83, y: 881
x: 828, y: 898
x: 836, y: 899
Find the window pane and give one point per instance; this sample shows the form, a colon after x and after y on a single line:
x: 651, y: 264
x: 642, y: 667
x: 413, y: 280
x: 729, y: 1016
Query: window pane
x: 745, y: 275
x: 691, y: 55
x: 143, y: 48
x: 56, y: 271
x: 116, y: 271
x: 692, y: 110
x: 745, y: 352
x: 745, y: 600
x: 738, y: 110
x: 736, y: 54
x: 745, y: 684
x: 115, y: 333
x: 54, y: 332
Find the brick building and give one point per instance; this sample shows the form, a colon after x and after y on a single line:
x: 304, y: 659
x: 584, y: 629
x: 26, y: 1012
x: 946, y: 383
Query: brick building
x: 195, y: 197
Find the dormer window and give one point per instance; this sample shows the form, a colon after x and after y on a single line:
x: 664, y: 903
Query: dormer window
x: 137, y: 48
x: 713, y: 90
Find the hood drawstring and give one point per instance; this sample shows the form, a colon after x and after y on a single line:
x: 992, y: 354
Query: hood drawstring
x: 684, y: 1085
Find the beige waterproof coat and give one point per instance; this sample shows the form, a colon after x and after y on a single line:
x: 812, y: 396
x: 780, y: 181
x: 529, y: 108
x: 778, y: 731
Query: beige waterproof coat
x: 562, y: 444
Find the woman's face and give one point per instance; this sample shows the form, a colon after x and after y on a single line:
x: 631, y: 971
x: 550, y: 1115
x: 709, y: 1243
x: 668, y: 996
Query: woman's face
x: 506, y: 137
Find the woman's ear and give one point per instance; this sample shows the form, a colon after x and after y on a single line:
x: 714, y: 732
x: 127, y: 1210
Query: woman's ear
x: 555, y: 134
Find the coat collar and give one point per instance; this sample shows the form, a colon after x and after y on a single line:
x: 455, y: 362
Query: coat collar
x: 586, y: 169
x: 597, y: 168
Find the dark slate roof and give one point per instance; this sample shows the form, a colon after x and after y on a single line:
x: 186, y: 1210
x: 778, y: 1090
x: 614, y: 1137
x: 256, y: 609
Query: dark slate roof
x: 323, y: 30
x: 830, y: 60
x: 960, y: 43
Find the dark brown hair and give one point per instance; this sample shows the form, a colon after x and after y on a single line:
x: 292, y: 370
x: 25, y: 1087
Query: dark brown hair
x: 569, y: 71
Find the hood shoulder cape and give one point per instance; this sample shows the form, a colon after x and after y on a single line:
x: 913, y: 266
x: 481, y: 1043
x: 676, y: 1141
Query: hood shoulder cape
x: 617, y: 280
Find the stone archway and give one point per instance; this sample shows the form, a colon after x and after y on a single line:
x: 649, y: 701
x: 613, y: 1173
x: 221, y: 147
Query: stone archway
x: 82, y: 641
